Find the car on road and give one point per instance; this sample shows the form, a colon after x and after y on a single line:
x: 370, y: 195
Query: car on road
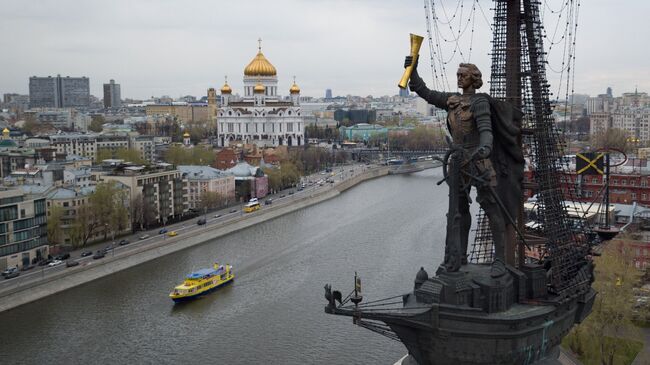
x: 144, y: 236
x: 44, y: 262
x: 162, y: 231
x: 12, y: 274
x: 268, y: 201
x: 282, y: 196
x: 86, y: 253
x: 99, y: 254
x: 291, y: 192
x: 201, y: 221
x: 71, y: 263
x: 124, y: 242
x: 55, y: 263
x: 63, y: 256
x: 217, y: 215
x: 10, y: 270
x: 233, y: 210
x: 172, y: 233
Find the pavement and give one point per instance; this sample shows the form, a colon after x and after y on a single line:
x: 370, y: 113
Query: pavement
x: 643, y: 358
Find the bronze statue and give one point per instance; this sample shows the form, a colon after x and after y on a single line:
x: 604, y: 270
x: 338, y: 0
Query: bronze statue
x: 485, y: 154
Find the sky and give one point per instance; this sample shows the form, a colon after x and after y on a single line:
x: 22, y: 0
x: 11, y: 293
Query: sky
x: 357, y: 47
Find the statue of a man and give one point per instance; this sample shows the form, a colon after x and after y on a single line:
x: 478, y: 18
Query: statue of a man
x: 471, y: 123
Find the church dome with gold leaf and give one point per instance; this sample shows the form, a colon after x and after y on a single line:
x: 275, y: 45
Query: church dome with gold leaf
x: 259, y: 88
x: 294, y: 89
x: 260, y: 66
x: 225, y: 89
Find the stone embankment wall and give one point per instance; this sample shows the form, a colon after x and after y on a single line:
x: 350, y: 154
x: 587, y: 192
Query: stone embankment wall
x: 92, y: 270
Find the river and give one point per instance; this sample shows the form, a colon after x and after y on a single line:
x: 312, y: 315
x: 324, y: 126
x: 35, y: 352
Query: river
x: 384, y: 229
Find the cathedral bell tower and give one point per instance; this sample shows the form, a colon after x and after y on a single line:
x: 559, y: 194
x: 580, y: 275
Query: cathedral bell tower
x: 295, y: 93
x: 226, y: 93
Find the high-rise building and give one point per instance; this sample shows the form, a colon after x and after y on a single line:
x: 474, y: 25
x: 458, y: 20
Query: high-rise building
x: 23, y: 225
x: 328, y: 94
x: 59, y: 92
x: 609, y: 92
x: 112, y: 96
x: 404, y: 93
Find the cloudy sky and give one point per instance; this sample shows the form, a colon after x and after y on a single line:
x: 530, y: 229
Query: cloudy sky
x: 174, y: 47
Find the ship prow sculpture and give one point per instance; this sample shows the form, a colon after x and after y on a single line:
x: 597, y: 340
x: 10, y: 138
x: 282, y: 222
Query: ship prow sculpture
x: 495, y: 305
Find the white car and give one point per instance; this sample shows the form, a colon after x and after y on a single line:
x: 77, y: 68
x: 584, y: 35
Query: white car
x: 55, y: 263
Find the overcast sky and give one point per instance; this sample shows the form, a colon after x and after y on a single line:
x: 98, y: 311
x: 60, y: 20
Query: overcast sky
x: 174, y: 47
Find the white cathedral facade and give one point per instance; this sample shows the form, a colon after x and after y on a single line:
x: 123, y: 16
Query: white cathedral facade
x: 260, y: 117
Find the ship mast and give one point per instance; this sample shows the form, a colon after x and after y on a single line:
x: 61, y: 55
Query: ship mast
x: 513, y: 95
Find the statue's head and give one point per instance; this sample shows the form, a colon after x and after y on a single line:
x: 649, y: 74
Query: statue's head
x: 469, y: 75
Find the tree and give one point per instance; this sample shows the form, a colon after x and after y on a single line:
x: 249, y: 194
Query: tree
x: 54, y: 229
x: 96, y: 123
x: 210, y: 200
x: 130, y: 155
x: 103, y: 154
x: 603, y: 334
x: 199, y: 155
x: 84, y: 226
x: 612, y: 138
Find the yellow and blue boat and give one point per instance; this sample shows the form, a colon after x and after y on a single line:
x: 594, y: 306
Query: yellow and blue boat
x: 202, y: 282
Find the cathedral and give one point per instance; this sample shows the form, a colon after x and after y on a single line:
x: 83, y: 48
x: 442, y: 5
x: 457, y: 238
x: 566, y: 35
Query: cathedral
x: 260, y: 117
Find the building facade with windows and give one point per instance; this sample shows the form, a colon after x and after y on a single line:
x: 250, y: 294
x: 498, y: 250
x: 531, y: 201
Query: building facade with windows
x: 112, y: 95
x: 23, y: 229
x: 161, y: 188
x: 59, y: 92
x: 203, y: 179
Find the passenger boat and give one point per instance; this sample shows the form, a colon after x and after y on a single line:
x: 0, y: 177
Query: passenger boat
x: 202, y: 282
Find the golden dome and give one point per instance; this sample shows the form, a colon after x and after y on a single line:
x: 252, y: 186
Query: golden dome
x: 186, y: 135
x: 259, y: 88
x: 5, y: 131
x: 260, y: 66
x: 225, y: 89
x: 294, y: 89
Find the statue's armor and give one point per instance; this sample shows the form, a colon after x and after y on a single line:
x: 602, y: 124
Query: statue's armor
x: 464, y: 125
x: 461, y: 122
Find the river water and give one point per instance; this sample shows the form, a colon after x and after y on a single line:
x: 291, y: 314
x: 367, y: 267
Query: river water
x: 385, y: 229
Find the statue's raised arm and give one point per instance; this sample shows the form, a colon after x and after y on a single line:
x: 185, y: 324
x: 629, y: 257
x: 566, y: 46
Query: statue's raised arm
x: 417, y: 85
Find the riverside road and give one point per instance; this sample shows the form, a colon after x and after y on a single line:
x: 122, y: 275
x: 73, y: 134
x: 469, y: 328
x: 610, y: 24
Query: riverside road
x: 384, y: 229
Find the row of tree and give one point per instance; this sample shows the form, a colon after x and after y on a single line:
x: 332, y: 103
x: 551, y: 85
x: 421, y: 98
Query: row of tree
x: 198, y: 155
x: 126, y: 154
x: 419, y: 138
x: 609, y: 331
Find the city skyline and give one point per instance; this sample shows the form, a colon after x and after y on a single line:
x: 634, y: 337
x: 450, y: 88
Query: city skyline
x: 176, y: 50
